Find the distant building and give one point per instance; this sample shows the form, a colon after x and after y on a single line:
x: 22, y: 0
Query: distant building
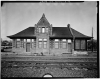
x: 48, y: 40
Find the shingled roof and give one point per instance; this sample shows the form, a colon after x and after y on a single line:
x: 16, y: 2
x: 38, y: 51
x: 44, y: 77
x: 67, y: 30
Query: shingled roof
x: 28, y: 32
x: 43, y: 21
x: 57, y: 32
x: 61, y: 32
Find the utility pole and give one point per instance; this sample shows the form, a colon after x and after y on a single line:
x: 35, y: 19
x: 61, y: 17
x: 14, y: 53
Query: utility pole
x: 92, y: 39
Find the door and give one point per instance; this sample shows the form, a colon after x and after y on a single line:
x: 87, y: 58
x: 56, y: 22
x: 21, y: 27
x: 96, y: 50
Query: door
x: 28, y: 47
x: 69, y: 47
x: 45, y: 46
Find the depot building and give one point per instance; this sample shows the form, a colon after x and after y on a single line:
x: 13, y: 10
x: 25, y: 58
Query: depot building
x: 45, y: 39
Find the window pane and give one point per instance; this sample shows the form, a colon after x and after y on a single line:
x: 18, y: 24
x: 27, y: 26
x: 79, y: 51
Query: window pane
x: 24, y: 40
x: 32, y: 40
x: 18, y: 39
x: 32, y: 45
x: 56, y: 45
x: 82, y: 44
x: 39, y: 30
x: 22, y: 43
x: 45, y: 44
x: 69, y: 41
x: 40, y: 39
x: 44, y: 39
x: 43, y: 30
x: 56, y: 40
x: 14, y: 43
x: 18, y: 44
x: 28, y: 40
x: 64, y: 40
x: 63, y: 45
x: 40, y: 44
x: 77, y: 44
x: 46, y: 29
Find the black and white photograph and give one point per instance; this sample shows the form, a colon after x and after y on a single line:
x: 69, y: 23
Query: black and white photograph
x: 49, y: 39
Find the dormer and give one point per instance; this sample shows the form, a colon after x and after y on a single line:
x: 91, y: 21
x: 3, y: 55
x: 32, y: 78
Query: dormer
x: 43, y: 26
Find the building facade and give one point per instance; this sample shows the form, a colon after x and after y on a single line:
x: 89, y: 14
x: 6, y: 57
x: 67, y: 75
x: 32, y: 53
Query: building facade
x: 45, y: 39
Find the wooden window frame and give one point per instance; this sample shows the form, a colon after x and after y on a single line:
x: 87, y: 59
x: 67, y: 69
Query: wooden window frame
x: 43, y: 30
x: 79, y: 44
x: 63, y: 42
x: 40, y: 41
x: 18, y: 45
x: 44, y: 41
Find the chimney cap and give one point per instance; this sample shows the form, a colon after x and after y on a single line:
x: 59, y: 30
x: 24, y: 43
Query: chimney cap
x: 68, y: 25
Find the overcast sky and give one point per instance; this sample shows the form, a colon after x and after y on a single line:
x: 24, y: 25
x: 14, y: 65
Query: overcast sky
x: 19, y: 16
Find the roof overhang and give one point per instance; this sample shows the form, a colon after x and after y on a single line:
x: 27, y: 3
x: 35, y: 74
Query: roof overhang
x: 52, y: 37
x: 22, y: 37
x: 88, y: 38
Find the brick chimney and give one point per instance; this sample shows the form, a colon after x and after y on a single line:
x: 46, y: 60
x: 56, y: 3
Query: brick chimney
x: 68, y: 25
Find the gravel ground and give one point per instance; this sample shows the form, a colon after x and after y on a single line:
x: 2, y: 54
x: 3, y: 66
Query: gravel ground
x: 34, y: 69
x: 13, y: 65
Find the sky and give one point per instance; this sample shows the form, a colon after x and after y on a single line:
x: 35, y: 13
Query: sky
x: 19, y: 16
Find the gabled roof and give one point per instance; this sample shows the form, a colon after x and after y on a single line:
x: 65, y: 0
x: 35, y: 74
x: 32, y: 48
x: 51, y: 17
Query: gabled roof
x: 43, y: 21
x: 57, y: 32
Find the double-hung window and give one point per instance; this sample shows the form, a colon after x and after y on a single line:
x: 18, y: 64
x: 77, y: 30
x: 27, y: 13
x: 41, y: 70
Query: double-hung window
x: 40, y: 43
x: 39, y: 30
x: 80, y: 44
x: 44, y: 43
x: 18, y: 43
x: 56, y: 43
x: 47, y: 30
x: 64, y: 44
x: 43, y: 30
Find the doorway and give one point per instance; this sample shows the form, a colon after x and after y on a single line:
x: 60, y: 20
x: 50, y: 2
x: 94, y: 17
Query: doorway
x: 69, y: 47
x: 27, y: 47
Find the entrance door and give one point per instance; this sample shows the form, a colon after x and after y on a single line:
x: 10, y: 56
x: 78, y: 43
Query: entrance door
x: 69, y: 47
x: 45, y: 46
x: 28, y: 47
